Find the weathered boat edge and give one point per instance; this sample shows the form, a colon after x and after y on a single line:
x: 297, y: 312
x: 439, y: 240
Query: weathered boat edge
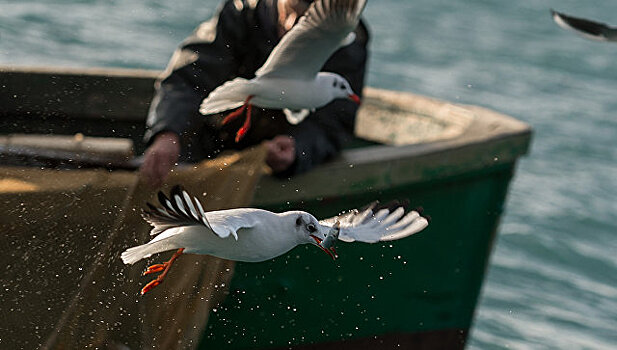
x: 491, y: 139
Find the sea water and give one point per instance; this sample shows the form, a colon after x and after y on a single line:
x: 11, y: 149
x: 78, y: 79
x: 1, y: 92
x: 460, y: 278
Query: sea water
x: 552, y: 280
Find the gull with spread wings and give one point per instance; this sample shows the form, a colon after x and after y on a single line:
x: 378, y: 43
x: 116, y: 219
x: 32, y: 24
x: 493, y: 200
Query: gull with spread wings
x: 291, y: 79
x: 253, y: 235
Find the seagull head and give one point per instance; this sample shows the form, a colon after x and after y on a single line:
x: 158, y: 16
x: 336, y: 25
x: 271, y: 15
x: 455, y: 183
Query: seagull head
x: 309, y: 230
x: 338, y: 86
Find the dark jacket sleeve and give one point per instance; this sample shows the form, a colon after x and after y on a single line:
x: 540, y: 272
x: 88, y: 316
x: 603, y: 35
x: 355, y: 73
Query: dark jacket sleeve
x: 322, y: 135
x: 204, y: 61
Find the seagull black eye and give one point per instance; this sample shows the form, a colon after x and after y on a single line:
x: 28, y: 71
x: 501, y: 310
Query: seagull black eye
x: 299, y: 221
x: 334, y: 83
x: 311, y: 228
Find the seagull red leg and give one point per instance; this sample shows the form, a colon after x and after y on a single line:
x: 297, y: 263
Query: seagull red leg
x: 157, y: 268
x: 235, y: 114
x: 247, y: 123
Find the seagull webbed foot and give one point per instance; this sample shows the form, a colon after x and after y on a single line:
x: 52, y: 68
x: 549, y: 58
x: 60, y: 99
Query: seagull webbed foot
x: 164, y: 267
x: 235, y: 114
x: 247, y: 124
x: 155, y: 268
x: 150, y: 286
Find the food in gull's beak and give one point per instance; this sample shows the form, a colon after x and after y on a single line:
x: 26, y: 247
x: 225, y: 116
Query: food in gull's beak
x: 327, y: 244
x: 332, y: 236
x: 318, y: 243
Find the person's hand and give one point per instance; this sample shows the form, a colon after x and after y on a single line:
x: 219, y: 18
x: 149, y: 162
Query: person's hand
x: 160, y: 157
x: 281, y: 153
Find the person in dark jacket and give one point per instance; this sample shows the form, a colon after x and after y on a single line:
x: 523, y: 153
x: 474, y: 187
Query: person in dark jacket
x: 235, y: 43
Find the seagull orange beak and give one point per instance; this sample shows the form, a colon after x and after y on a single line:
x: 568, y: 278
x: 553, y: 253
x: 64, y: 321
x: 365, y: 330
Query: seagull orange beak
x: 318, y: 241
x: 355, y: 98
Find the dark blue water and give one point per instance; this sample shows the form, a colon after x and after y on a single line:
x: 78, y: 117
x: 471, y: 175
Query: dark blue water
x: 552, y: 283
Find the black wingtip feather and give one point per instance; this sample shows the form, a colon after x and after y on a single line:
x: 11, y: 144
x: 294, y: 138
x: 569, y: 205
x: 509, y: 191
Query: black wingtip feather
x: 176, y: 190
x: 169, y: 214
x: 151, y: 206
x: 370, y: 206
x: 163, y: 199
x: 420, y: 210
x: 391, y: 205
x: 394, y: 204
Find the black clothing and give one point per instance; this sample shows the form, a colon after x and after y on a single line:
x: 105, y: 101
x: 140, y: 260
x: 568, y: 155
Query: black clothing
x: 235, y: 43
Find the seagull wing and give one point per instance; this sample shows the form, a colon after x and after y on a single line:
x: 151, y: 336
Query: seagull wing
x: 589, y: 29
x: 228, y: 96
x: 376, y: 223
x: 322, y: 29
x: 229, y: 222
x: 180, y: 214
x: 182, y: 210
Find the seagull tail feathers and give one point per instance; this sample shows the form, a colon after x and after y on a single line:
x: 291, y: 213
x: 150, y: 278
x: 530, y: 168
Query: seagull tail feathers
x: 134, y: 254
x: 228, y: 96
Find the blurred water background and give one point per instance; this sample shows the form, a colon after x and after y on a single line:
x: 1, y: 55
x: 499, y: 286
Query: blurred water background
x: 552, y: 281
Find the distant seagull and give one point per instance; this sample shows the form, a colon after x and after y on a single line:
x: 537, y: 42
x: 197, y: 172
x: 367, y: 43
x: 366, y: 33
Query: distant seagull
x: 291, y: 79
x: 254, y: 235
x: 589, y: 29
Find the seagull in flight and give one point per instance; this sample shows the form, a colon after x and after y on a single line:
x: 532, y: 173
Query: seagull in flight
x: 291, y: 79
x: 254, y: 235
x: 589, y: 29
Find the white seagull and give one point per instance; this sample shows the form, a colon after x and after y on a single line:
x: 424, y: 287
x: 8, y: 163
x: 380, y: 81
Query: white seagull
x: 589, y: 29
x: 291, y: 79
x: 253, y: 235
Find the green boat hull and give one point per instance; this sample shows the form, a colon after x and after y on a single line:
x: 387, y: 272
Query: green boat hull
x: 426, y: 283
